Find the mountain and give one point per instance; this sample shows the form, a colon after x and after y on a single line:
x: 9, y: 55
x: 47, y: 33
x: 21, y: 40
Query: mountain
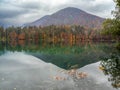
x: 69, y: 16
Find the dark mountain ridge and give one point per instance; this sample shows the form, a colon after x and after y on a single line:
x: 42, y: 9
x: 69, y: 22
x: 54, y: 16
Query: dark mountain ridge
x: 69, y: 16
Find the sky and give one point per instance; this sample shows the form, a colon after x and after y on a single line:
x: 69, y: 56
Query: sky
x: 19, y: 12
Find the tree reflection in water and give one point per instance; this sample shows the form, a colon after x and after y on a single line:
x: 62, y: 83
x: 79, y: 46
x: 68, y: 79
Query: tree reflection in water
x: 111, y: 67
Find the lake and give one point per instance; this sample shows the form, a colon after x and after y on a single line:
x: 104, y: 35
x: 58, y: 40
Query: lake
x: 59, y: 66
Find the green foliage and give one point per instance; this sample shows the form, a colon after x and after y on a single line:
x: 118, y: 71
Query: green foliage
x: 111, y: 67
x: 118, y: 46
x: 2, y: 34
x: 117, y: 2
x: 111, y: 27
x: 111, y: 64
x: 116, y: 12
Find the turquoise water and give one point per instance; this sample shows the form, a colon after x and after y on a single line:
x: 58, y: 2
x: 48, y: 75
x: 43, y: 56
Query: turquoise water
x: 62, y: 55
x: 48, y: 66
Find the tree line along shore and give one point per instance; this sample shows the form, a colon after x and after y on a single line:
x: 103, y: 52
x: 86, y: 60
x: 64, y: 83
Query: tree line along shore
x: 54, y: 34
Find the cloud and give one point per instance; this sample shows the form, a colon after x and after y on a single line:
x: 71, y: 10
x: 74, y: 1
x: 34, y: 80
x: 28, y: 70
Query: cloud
x: 10, y: 11
x: 100, y: 8
x: 25, y: 11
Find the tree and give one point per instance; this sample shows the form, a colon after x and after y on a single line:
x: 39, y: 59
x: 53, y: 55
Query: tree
x: 117, y: 11
x: 111, y: 67
x: 1, y: 33
x: 112, y: 26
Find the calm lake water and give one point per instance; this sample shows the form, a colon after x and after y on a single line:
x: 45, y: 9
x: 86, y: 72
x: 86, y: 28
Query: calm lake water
x: 61, y: 66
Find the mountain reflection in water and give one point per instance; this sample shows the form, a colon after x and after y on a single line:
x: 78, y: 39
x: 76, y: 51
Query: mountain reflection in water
x: 30, y: 73
x: 64, y: 55
x: 35, y: 63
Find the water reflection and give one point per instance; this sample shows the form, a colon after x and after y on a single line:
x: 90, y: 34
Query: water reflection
x: 61, y: 54
x: 30, y: 73
x: 64, y: 56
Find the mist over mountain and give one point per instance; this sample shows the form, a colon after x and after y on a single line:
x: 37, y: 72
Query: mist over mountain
x: 69, y: 16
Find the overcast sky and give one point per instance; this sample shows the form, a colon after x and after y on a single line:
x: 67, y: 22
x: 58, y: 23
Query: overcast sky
x: 16, y: 12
